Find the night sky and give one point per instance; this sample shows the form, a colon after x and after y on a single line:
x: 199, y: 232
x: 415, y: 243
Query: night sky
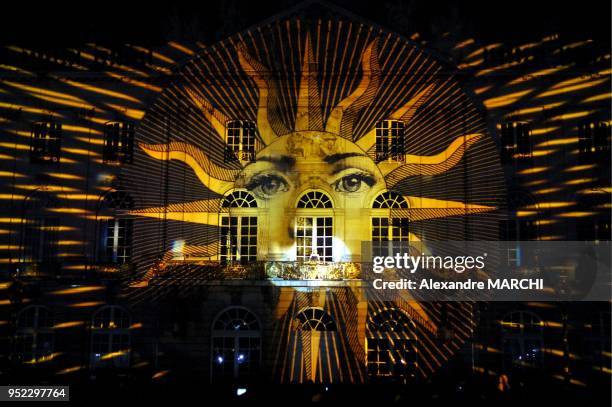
x: 56, y: 24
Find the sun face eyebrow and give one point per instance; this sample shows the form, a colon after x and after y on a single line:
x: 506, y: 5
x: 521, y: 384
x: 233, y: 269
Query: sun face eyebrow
x: 282, y: 163
x: 334, y: 158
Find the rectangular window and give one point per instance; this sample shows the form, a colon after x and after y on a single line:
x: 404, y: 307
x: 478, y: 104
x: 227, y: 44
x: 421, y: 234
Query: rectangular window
x: 594, y: 142
x: 314, y: 238
x: 41, y: 239
x: 390, y: 357
x: 119, y: 240
x: 46, y: 142
x: 385, y: 230
x: 240, y: 140
x: 238, y: 241
x: 118, y: 142
x: 515, y: 141
x: 390, y: 140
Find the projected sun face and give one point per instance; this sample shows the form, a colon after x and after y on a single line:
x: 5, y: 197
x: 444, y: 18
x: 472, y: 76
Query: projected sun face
x: 278, y: 167
x: 290, y: 146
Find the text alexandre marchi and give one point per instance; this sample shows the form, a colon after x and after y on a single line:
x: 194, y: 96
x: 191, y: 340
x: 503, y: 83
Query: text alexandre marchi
x: 458, y: 264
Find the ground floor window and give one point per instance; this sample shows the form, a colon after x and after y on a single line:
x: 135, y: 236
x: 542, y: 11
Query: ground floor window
x: 314, y: 238
x: 110, y: 338
x: 236, y: 344
x: 391, y: 346
x: 238, y: 239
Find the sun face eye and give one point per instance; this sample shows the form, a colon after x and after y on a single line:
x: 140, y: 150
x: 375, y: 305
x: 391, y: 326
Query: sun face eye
x: 268, y: 185
x: 354, y: 182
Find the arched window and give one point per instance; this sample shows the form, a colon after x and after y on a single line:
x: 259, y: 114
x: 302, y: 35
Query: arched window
x: 236, y: 344
x: 314, y: 234
x: 238, y: 238
x: 240, y: 138
x: 314, y: 319
x: 239, y: 199
x: 34, y: 337
x: 110, y: 338
x: 390, y: 140
x: 315, y: 200
x: 388, y: 228
x: 597, y: 340
x: 116, y: 228
x: 391, y: 345
x: 389, y: 200
x: 522, y: 339
x: 40, y: 228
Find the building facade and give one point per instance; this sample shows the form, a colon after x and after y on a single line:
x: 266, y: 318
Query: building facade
x: 199, y: 210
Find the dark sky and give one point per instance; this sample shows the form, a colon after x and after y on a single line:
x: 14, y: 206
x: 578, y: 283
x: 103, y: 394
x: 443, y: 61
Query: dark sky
x: 153, y: 22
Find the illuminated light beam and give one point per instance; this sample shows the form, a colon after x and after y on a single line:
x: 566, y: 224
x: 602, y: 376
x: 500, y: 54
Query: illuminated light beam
x: 16, y: 69
x: 78, y: 290
x: 481, y: 50
x: 464, y: 43
x: 482, y: 90
x: 155, y: 54
x: 68, y: 324
x: 502, y: 67
x: 577, y: 168
x: 181, y: 48
x: 42, y: 91
x: 131, y: 113
x: 544, y: 191
x: 549, y: 205
x: 579, y: 181
x: 544, y: 130
x: 15, y: 146
x: 64, y: 102
x: 116, y: 354
x: 62, y: 175
x: 100, y: 91
x: 6, y: 197
x: 533, y: 170
x: 505, y: 100
x: 86, y: 304
x: 569, y: 89
x: 597, y: 98
x: 571, y: 116
x: 537, y: 74
x: 557, y: 142
x: 28, y: 109
x: 535, y: 109
x: 68, y: 210
x: 92, y: 58
x: 134, y: 82
x: 70, y: 370
x: 160, y: 374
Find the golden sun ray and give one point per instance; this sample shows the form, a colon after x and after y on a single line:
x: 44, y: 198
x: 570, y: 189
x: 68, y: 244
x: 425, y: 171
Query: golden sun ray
x: 369, y: 139
x: 363, y: 93
x: 266, y: 86
x: 428, y: 165
x: 214, y: 177
x: 214, y: 116
x: 309, y: 115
